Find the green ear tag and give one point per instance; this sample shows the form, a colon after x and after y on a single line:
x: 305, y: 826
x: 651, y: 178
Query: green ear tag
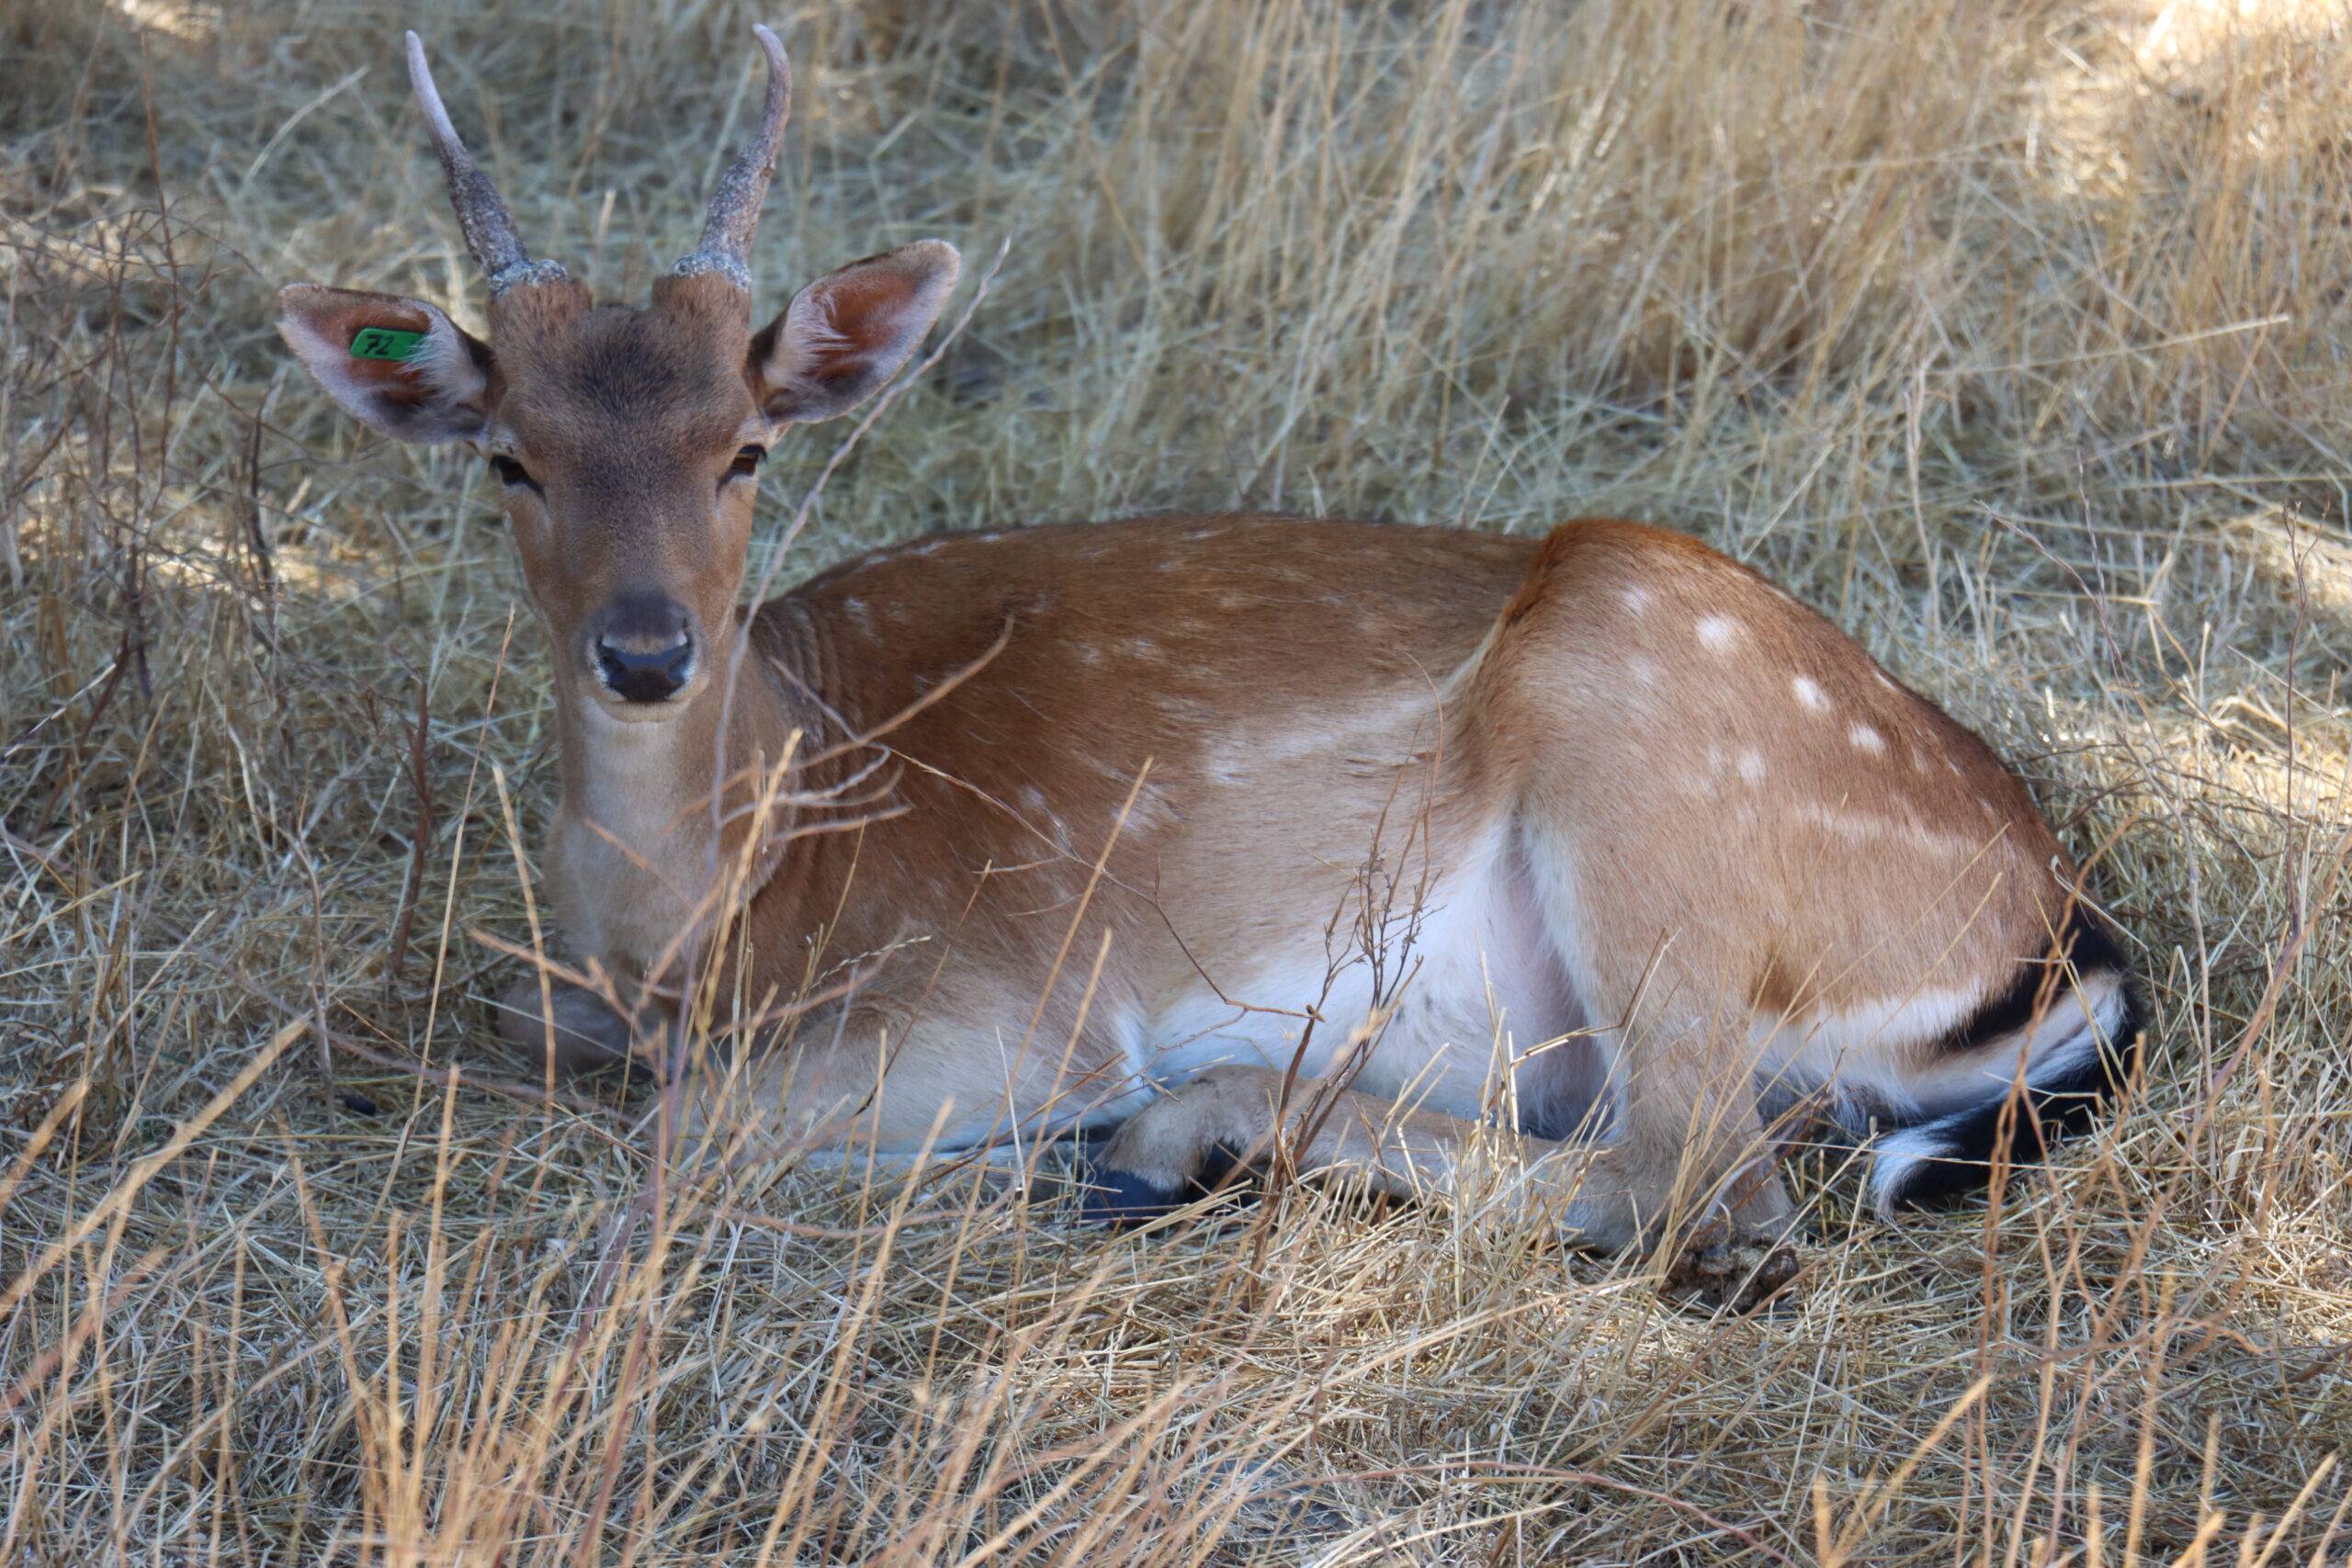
x: 386, y: 342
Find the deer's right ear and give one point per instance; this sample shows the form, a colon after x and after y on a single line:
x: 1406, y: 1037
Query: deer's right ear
x: 397, y: 365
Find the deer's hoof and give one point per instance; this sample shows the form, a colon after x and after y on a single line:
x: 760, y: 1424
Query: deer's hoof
x: 1117, y: 1199
x: 580, y: 1036
x: 1733, y: 1268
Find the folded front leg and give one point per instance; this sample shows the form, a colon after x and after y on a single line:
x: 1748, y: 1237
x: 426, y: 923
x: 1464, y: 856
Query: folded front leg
x: 573, y: 1029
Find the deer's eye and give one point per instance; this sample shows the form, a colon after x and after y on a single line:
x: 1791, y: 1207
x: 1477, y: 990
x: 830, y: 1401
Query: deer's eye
x: 746, y: 463
x: 511, y: 473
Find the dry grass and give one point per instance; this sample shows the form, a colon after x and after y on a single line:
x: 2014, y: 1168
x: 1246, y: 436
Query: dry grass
x: 2007, y: 331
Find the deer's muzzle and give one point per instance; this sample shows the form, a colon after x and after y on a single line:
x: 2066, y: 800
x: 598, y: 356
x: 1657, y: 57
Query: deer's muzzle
x: 643, y: 648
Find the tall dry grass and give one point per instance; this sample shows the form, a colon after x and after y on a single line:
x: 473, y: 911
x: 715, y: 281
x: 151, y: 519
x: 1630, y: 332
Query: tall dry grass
x: 2008, y: 333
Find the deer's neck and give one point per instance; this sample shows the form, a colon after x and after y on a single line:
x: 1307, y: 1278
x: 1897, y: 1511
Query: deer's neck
x: 656, y: 815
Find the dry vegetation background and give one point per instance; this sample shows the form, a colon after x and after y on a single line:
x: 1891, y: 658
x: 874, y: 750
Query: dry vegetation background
x: 2009, y: 333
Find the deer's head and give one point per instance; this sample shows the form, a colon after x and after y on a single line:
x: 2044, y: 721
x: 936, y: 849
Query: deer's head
x: 626, y: 441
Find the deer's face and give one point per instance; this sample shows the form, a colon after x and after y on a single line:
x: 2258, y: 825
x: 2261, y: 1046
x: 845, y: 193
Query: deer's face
x: 625, y: 443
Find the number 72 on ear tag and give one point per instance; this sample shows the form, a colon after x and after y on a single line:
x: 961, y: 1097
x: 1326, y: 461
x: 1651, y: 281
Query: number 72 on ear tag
x: 386, y: 342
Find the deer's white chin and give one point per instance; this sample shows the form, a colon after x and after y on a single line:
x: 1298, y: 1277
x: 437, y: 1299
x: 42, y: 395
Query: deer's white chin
x: 601, y: 705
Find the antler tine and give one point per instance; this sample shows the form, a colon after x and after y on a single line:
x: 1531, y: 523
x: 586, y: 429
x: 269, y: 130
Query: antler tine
x: 482, y: 217
x: 735, y: 205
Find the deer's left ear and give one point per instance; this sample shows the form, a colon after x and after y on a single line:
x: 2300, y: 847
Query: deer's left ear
x: 396, y: 365
x: 846, y: 334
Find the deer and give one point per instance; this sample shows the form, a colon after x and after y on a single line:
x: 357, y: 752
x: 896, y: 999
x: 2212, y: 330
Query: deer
x: 1564, y: 875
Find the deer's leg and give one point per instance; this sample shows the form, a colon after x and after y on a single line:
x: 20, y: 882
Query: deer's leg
x: 1728, y: 1240
x: 1151, y: 1164
x: 1701, y: 1180
x: 1688, y: 1157
x: 879, y: 1087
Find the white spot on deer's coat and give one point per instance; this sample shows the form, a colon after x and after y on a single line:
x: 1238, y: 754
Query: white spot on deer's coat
x: 1636, y: 599
x: 1720, y: 633
x: 1809, y: 694
x: 1860, y: 828
x: 1868, y: 740
x: 1705, y: 783
x: 1751, y: 766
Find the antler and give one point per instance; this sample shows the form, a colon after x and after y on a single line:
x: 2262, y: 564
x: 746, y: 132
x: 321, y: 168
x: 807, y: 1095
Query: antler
x: 482, y: 214
x: 735, y: 205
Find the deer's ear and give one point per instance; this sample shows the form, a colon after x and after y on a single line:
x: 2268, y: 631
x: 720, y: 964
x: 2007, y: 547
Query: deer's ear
x: 397, y: 365
x: 848, y: 332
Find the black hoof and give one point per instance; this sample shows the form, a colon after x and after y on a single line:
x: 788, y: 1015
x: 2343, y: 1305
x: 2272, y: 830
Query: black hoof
x: 1116, y: 1199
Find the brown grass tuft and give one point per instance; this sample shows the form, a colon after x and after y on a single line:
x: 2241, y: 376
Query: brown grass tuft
x: 2011, y: 334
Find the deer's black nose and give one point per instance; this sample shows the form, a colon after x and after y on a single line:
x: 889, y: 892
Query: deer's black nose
x: 645, y: 650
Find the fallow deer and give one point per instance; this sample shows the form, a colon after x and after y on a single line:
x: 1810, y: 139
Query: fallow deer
x: 1363, y: 847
